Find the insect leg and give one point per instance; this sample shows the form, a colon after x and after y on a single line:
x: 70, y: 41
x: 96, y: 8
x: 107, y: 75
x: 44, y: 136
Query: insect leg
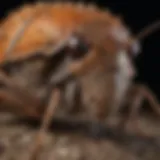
x: 142, y: 92
x: 150, y: 96
x: 13, y: 103
x: 16, y: 99
x: 133, y: 113
x: 48, y: 115
x: 72, y: 97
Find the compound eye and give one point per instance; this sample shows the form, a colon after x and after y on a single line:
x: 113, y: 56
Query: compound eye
x: 78, y: 47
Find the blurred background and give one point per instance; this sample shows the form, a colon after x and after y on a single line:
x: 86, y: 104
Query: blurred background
x: 136, y: 15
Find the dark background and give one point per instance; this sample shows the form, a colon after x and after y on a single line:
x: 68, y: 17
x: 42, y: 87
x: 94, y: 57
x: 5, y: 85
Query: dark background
x: 137, y: 15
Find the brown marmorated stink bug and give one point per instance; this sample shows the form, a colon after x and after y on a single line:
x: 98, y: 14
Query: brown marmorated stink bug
x: 80, y: 54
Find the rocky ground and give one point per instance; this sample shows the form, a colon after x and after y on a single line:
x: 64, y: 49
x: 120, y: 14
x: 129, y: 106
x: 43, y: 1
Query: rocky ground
x: 17, y: 139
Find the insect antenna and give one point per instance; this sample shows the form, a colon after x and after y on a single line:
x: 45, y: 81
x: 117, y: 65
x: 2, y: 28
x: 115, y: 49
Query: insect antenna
x: 134, y: 45
x: 148, y: 30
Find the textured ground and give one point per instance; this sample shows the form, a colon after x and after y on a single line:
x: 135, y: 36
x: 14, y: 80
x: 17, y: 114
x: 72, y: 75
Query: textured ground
x: 16, y: 142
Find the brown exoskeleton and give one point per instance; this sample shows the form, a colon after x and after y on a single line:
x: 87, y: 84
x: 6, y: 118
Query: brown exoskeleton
x: 81, y: 51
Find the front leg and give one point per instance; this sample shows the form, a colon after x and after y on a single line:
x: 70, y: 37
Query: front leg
x: 18, y: 101
x: 46, y: 121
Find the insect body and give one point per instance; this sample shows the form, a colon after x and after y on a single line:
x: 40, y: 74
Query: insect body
x: 72, y: 47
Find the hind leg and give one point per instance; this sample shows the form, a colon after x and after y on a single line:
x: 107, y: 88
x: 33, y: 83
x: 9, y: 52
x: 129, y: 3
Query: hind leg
x: 17, y: 100
x: 132, y: 118
x: 142, y: 92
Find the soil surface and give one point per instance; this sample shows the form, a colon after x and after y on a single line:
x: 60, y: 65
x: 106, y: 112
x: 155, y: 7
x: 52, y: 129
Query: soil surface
x: 17, y: 139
